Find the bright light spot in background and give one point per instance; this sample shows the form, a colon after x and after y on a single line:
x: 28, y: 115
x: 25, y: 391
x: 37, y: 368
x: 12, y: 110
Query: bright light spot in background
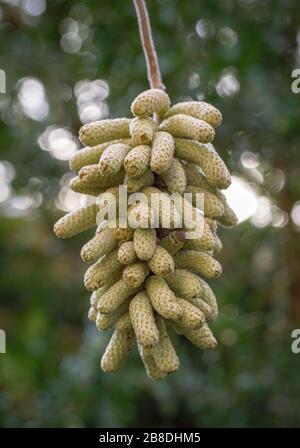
x: 32, y: 97
x: 194, y: 81
x: 34, y: 8
x: 280, y: 218
x: 71, y: 42
x: 249, y: 160
x: 91, y: 97
x: 60, y: 142
x: 295, y: 213
x: 7, y: 175
x: 7, y: 172
x: 228, y: 37
x: 205, y: 28
x: 228, y: 85
x: 242, y: 198
x: 5, y: 192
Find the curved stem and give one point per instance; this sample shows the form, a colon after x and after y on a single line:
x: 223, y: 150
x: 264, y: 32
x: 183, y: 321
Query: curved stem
x: 153, y: 70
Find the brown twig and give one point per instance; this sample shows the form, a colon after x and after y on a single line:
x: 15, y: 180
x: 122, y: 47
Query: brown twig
x: 153, y: 71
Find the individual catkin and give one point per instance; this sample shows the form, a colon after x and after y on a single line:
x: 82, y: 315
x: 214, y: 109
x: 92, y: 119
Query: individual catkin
x: 162, y: 262
x: 100, y: 272
x: 174, y: 241
x: 153, y: 372
x: 184, y: 283
x: 143, y: 322
x: 127, y: 253
x: 97, y: 132
x: 202, y: 337
x: 163, y: 353
x: 209, y: 297
x: 162, y: 152
x: 144, y: 241
x: 76, y: 221
x: 152, y: 101
x: 112, y: 159
x: 124, y: 324
x: 137, y: 160
x: 91, y: 154
x: 106, y: 321
x: 174, y: 177
x: 192, y: 317
x: 116, y: 295
x: 162, y: 298
x: 229, y: 218
x: 101, y: 244
x: 135, y: 274
x: 91, y: 177
x: 212, y: 206
x: 80, y: 187
x: 207, y: 158
x: 135, y: 184
x: 205, y: 242
x: 142, y: 130
x: 199, y: 262
x: 117, y: 351
x: 185, y: 126
x: 197, y: 109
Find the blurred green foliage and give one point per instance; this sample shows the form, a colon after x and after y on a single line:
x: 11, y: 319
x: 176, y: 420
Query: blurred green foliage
x: 237, y: 54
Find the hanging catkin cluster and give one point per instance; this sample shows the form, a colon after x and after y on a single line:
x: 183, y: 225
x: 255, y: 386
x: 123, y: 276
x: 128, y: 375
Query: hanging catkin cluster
x: 145, y: 280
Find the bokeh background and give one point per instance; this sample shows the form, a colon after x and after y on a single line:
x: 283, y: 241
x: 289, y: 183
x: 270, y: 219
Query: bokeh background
x: 70, y: 62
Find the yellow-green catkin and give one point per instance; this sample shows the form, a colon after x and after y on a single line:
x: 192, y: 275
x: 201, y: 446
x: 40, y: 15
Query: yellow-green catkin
x: 199, y: 262
x: 207, y: 158
x: 162, y: 298
x: 163, y: 353
x: 90, y: 177
x: 163, y: 146
x: 184, y: 283
x: 192, y: 317
x: 142, y: 130
x: 90, y: 154
x: 162, y: 262
x: 97, y: 132
x: 76, y: 221
x: 137, y: 160
x: 101, y: 244
x: 112, y: 159
x: 144, y: 241
x: 78, y: 187
x: 135, y: 273
x: 106, y: 321
x: 174, y: 241
x: 198, y: 109
x: 99, y: 273
x: 153, y: 372
x: 143, y: 322
x: 202, y: 337
x: 213, y: 207
x: 174, y: 177
x: 185, y: 126
x: 152, y: 101
x: 116, y: 295
x: 117, y: 351
x: 127, y: 253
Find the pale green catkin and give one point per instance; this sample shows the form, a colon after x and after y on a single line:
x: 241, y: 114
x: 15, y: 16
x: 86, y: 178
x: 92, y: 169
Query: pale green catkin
x: 76, y: 221
x: 97, y: 132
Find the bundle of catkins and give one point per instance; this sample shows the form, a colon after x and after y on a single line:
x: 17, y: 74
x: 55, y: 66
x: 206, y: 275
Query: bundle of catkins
x: 146, y: 270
